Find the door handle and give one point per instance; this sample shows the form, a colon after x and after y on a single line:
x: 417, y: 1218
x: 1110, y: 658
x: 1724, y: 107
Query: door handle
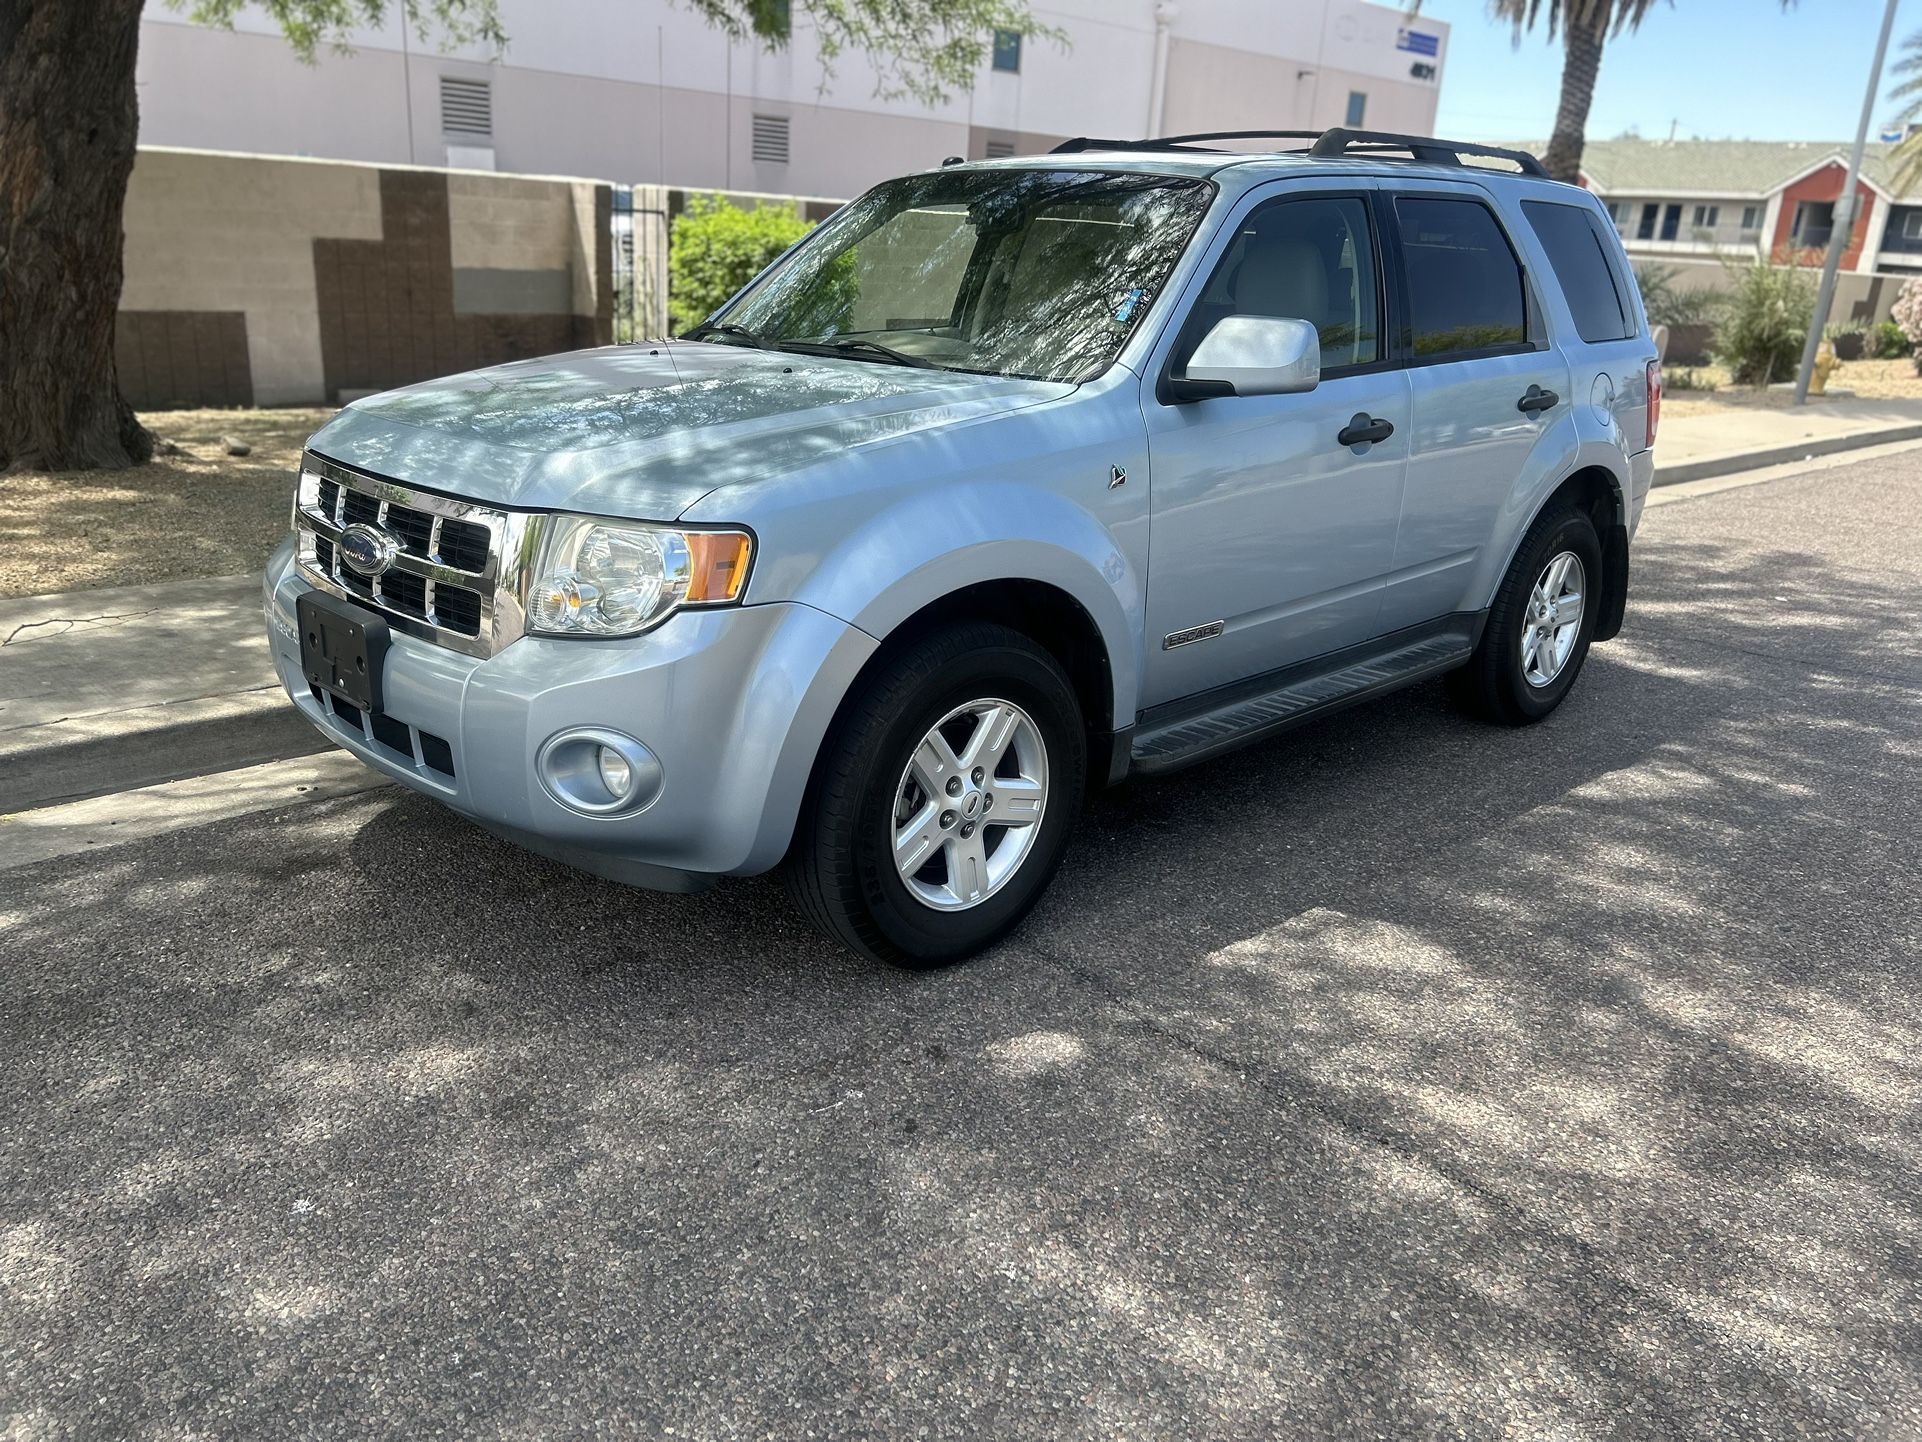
x: 1536, y: 399
x: 1363, y: 429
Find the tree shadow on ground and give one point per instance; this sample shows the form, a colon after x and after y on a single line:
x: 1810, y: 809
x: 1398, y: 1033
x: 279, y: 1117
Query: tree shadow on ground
x: 1402, y: 1076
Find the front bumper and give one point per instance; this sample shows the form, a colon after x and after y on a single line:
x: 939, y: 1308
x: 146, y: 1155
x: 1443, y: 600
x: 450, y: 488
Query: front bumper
x: 733, y: 702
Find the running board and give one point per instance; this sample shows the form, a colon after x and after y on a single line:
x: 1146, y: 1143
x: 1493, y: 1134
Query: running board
x: 1185, y: 732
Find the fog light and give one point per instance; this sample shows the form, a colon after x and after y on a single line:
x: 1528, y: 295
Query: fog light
x: 616, y: 774
x: 599, y: 772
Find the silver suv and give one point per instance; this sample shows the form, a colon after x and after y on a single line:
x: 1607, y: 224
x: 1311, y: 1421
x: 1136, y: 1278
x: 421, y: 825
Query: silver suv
x: 1010, y: 480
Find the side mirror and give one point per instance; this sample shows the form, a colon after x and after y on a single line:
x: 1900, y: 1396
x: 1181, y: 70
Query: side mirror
x: 1251, y: 355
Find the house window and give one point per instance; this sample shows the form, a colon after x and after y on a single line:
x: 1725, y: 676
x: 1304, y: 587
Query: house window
x: 770, y: 139
x: 1707, y: 216
x: 1912, y: 225
x: 1814, y: 220
x: 1007, y: 51
x: 1751, y: 217
x: 466, y: 109
x: 1645, y: 228
x: 1357, y: 106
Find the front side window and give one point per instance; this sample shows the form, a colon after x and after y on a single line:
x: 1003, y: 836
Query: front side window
x: 1310, y: 259
x: 1038, y: 273
x: 1572, y: 236
x: 1465, y: 291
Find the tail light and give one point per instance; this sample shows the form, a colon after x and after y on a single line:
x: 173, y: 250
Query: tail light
x: 1654, y: 399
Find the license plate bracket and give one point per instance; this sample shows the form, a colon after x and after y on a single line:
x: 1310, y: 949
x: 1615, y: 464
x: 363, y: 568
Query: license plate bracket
x: 343, y: 648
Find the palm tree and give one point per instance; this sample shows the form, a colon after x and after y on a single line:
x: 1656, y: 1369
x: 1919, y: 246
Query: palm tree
x: 1907, y: 154
x: 1584, y: 25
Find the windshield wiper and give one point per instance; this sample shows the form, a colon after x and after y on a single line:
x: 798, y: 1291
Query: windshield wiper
x: 732, y: 332
x: 852, y: 346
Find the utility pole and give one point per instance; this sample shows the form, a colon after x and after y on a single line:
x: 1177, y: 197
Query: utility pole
x: 1844, y: 225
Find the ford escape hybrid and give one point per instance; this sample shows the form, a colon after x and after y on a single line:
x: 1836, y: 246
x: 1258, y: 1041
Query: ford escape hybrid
x: 1009, y: 480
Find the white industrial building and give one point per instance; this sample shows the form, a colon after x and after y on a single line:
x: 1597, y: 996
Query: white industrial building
x: 644, y: 92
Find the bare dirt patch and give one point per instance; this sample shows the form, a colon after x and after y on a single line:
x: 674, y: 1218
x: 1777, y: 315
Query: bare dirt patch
x: 1870, y: 380
x: 199, y: 513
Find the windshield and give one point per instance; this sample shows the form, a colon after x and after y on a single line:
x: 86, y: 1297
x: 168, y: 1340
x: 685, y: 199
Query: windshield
x: 1035, y: 273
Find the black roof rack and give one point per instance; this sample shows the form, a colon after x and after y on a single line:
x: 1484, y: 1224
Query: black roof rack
x: 1180, y: 142
x: 1327, y: 144
x: 1422, y: 147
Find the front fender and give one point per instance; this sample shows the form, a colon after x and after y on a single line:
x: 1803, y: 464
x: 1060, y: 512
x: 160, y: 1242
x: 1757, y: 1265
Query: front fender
x: 935, y: 543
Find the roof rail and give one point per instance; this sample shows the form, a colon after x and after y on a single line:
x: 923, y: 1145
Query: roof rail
x: 1082, y: 143
x: 1339, y: 142
x: 1327, y: 144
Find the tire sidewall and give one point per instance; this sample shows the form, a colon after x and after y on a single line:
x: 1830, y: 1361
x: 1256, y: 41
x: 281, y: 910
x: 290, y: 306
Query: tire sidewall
x: 927, y: 936
x: 1569, y: 531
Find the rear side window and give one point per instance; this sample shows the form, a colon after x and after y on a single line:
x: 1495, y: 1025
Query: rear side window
x: 1465, y: 292
x: 1576, y: 250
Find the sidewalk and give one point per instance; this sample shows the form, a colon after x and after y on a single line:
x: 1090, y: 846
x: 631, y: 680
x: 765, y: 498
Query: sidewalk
x: 1741, y: 438
x: 102, y: 691
x: 132, y: 685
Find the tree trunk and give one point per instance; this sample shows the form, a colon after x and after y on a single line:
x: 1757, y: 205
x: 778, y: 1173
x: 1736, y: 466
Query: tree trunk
x: 68, y: 122
x: 1582, y: 39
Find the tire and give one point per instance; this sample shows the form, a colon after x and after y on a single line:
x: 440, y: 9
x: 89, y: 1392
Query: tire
x: 1498, y: 684
x: 874, y: 779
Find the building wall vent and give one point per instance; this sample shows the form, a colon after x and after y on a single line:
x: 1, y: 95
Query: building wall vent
x: 770, y: 139
x: 1000, y: 149
x: 466, y: 108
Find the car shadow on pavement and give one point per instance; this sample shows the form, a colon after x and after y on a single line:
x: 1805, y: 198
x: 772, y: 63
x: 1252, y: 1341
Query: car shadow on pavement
x: 1399, y: 1076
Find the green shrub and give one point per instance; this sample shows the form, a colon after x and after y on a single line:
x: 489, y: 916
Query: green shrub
x: 1888, y: 341
x: 1766, y: 323
x: 1670, y: 304
x: 716, y: 248
x: 1686, y: 378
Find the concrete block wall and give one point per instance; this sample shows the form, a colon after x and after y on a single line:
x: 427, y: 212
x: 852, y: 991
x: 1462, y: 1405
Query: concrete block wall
x: 258, y: 280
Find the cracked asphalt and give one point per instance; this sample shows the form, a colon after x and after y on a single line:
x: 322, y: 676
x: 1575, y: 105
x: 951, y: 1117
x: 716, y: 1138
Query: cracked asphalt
x: 1401, y: 1077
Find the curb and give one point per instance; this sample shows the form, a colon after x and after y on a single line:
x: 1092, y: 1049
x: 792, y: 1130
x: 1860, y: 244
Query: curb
x: 73, y: 760
x: 1781, y: 455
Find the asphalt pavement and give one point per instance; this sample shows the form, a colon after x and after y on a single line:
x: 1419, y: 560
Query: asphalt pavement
x: 1401, y: 1077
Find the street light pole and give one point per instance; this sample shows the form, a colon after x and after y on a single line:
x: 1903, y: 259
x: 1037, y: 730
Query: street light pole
x: 1844, y: 225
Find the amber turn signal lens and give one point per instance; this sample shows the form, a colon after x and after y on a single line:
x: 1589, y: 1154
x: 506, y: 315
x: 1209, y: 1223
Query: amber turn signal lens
x: 717, y: 564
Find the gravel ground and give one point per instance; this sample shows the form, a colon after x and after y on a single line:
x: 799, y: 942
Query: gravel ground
x: 203, y: 513
x: 1871, y: 380
x: 1403, y: 1077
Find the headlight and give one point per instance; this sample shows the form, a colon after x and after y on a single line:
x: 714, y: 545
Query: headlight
x: 608, y: 578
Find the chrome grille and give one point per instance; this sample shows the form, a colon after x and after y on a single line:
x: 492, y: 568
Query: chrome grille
x: 455, y: 577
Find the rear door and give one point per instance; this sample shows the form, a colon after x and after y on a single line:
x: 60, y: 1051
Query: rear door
x: 1488, y: 387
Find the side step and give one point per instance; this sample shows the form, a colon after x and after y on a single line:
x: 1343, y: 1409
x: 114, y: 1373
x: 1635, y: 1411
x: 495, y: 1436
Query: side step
x: 1184, y: 732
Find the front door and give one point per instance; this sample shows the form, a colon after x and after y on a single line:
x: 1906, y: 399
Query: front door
x: 1270, y: 538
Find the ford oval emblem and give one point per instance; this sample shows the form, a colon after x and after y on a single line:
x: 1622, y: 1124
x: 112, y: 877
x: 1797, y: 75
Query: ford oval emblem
x: 367, y: 549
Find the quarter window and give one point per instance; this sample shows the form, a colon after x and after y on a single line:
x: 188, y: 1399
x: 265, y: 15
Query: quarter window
x: 1309, y: 259
x: 1465, y: 292
x: 1577, y: 254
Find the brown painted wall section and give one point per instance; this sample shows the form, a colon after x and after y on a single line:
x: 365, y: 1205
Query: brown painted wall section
x: 387, y: 306
x: 171, y: 359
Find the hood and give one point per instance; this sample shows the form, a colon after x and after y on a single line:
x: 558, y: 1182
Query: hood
x: 647, y: 430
